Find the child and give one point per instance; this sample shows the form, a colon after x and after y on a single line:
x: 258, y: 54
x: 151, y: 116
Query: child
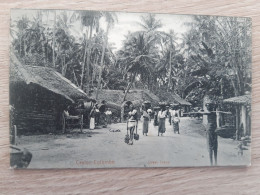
x: 175, y: 122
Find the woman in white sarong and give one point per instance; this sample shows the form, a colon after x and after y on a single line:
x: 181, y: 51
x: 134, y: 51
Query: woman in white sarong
x: 92, y: 119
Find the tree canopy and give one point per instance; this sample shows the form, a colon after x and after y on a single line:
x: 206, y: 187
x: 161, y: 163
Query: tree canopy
x: 213, y: 55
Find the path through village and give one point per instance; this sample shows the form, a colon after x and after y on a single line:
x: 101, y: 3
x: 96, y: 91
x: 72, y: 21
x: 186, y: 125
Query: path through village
x: 108, y: 149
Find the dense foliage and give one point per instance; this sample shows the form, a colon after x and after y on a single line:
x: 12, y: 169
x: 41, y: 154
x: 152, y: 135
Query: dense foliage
x: 212, y: 57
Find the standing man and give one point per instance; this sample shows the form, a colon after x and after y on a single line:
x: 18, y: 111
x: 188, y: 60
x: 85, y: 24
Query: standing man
x: 97, y: 115
x: 108, y: 114
x: 171, y: 115
x: 212, y: 137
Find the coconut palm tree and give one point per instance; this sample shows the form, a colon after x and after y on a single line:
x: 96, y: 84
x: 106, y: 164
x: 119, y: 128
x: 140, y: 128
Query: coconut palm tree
x: 139, y: 55
x: 90, y: 20
x: 111, y: 18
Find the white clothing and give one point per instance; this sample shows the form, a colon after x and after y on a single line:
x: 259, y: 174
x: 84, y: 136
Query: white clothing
x: 132, y: 112
x: 162, y: 114
x: 131, y: 123
x: 108, y: 112
x: 172, y: 113
x: 92, y: 123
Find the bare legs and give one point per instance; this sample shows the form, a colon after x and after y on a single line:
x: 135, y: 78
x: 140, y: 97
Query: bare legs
x: 211, y: 151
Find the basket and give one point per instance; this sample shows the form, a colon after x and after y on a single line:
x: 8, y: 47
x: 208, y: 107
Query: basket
x: 127, y: 139
x: 136, y: 136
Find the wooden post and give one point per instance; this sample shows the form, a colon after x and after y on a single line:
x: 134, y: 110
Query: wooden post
x: 15, y: 135
x: 217, y: 118
x: 237, y: 122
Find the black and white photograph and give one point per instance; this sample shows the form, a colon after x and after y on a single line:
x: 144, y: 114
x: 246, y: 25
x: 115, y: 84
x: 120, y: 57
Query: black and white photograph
x: 99, y: 89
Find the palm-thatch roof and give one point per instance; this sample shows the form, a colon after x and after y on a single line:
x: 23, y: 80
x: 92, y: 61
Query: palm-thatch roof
x: 135, y: 96
x: 44, y: 77
x: 239, y: 100
x: 173, y: 99
x: 177, y: 99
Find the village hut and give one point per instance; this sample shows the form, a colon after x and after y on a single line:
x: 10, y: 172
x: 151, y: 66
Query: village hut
x: 39, y: 96
x: 183, y: 104
x: 135, y: 97
x: 242, y: 105
x: 176, y: 101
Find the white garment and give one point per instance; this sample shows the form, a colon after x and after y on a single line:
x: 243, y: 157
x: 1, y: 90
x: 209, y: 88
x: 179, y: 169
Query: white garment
x: 131, y: 123
x: 161, y: 114
x: 172, y: 112
x: 132, y: 112
x: 92, y: 123
x: 108, y: 112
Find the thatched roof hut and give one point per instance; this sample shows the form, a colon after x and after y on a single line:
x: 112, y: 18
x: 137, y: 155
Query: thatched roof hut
x: 136, y: 96
x: 242, y: 104
x: 39, y: 96
x: 178, y: 100
x: 239, y: 100
x: 174, y: 99
x: 46, y: 78
x: 114, y: 99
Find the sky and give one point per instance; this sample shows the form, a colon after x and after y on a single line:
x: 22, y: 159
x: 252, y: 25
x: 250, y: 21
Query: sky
x: 127, y: 22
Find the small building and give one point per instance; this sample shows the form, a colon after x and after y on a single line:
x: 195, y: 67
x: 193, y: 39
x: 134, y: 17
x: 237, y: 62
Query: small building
x: 136, y: 97
x: 176, y: 100
x: 185, y: 105
x: 242, y: 105
x: 39, y: 96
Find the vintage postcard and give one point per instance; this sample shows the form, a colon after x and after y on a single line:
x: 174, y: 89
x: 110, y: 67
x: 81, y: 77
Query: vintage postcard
x: 96, y: 89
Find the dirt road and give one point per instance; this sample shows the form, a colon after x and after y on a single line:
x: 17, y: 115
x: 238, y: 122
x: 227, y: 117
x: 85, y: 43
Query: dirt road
x: 107, y: 149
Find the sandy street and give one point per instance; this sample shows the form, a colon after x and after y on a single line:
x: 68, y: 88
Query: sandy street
x: 107, y: 149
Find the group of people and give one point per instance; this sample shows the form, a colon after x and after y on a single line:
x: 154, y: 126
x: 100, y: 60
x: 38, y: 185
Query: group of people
x: 95, y: 116
x: 161, y: 116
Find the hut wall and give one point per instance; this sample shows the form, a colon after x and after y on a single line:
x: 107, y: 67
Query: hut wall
x: 38, y: 110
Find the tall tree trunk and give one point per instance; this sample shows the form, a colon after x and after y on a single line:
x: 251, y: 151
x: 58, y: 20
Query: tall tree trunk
x: 84, y: 62
x: 234, y: 87
x: 102, y: 61
x: 94, y: 71
x: 88, y: 59
x: 129, y: 86
x: 53, y: 41
x: 64, y: 66
x: 43, y: 54
x: 170, y: 69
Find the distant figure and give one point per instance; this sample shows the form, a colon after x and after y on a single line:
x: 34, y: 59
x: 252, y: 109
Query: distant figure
x: 97, y: 115
x: 109, y: 115
x: 155, y: 121
x: 161, y: 117
x: 133, y: 112
x: 146, y: 119
x: 171, y: 115
x: 92, y: 117
x: 149, y: 111
x: 182, y: 111
x: 212, y: 137
x: 132, y: 123
x: 239, y: 132
x: 175, y: 122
